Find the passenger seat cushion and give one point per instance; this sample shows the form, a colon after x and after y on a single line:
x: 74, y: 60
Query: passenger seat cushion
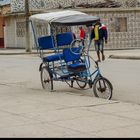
x: 69, y: 56
x: 52, y: 58
x: 77, y: 67
x: 46, y: 42
x: 64, y: 39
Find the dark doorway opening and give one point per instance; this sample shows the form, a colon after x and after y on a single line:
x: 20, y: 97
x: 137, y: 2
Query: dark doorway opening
x: 1, y: 42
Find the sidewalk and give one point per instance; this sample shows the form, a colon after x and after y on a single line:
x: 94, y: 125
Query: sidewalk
x: 16, y: 52
x: 133, y: 54
x: 34, y: 113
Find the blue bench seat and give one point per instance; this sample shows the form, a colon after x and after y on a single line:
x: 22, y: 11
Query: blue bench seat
x: 52, y: 58
x: 47, y: 43
x: 77, y: 67
x: 73, y: 61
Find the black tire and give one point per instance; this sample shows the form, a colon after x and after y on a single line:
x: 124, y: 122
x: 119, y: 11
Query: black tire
x: 81, y: 84
x: 102, y: 88
x: 46, y: 79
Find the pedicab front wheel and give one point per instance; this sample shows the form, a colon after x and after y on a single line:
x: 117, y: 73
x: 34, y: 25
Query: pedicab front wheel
x: 46, y: 79
x: 102, y: 88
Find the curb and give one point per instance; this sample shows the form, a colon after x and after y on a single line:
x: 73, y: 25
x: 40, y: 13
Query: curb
x: 17, y: 53
x: 22, y: 53
x: 124, y: 57
x: 110, y: 56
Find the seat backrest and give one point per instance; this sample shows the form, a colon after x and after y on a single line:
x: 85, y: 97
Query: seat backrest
x: 46, y: 42
x: 69, y: 56
x: 64, y: 39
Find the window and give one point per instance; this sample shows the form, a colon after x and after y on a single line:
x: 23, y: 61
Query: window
x: 20, y: 29
x: 41, y: 28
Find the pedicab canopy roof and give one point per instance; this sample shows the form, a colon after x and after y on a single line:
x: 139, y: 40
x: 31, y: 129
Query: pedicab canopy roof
x: 66, y: 18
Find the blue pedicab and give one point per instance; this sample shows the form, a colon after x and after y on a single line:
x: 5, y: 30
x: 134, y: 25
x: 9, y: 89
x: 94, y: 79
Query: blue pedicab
x: 68, y: 60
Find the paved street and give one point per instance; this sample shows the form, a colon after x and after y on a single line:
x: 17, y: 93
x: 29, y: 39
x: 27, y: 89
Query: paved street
x: 23, y: 71
x: 32, y: 28
x: 26, y: 110
x: 124, y: 75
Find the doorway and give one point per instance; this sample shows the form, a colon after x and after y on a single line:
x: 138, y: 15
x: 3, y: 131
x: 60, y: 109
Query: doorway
x: 1, y: 32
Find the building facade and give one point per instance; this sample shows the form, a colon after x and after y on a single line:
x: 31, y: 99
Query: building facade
x: 123, y: 27
x: 1, y: 32
x: 122, y: 21
x: 4, y: 8
x: 18, y: 5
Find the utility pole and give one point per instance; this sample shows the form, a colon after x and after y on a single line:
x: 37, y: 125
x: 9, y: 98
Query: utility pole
x: 28, y: 46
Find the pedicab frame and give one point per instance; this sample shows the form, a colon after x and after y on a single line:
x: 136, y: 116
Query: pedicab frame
x: 70, y: 63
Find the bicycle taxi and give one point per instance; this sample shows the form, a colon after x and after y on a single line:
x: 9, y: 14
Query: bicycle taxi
x: 64, y: 57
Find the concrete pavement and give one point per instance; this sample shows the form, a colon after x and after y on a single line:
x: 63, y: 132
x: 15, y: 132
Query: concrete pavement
x: 26, y: 110
x: 37, y: 114
x: 133, y: 54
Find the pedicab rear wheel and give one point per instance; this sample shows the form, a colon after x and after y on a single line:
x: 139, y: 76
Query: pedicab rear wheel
x: 102, y: 88
x: 46, y: 79
x: 81, y: 82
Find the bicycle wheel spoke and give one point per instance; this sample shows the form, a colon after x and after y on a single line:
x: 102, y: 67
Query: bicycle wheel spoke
x: 102, y: 88
x: 46, y: 80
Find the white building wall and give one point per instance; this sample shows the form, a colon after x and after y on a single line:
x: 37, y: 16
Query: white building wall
x: 10, y: 32
x: 15, y: 32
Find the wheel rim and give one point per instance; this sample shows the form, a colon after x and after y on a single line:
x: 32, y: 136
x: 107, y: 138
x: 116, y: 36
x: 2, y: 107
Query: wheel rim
x: 103, y: 89
x: 76, y: 47
x: 46, y: 80
x: 81, y: 82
